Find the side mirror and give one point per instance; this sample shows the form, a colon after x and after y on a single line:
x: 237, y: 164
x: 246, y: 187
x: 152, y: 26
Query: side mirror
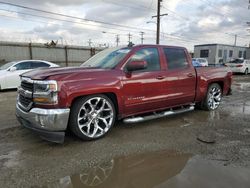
x: 136, y: 65
x: 12, y: 69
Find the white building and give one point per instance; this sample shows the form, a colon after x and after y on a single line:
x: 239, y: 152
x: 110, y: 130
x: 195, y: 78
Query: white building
x: 220, y: 53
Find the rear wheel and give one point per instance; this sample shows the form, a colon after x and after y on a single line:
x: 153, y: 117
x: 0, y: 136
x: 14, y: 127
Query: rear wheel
x: 246, y: 72
x: 92, y: 117
x: 213, y: 97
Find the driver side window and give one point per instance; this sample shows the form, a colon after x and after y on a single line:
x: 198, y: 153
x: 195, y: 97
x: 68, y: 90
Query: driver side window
x: 23, y: 66
x: 150, y: 55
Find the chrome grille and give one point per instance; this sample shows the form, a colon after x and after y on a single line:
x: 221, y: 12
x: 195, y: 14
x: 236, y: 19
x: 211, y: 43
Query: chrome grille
x: 24, y: 101
x: 27, y: 86
x: 25, y: 91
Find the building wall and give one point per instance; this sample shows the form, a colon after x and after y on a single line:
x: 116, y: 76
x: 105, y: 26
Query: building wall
x: 61, y: 55
x: 212, y: 53
x: 248, y: 53
x: 214, y: 57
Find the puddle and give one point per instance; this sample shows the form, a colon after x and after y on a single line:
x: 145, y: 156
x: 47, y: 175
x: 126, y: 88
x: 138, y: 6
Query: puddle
x: 241, y: 86
x: 158, y: 169
x: 9, y: 159
x: 242, y: 109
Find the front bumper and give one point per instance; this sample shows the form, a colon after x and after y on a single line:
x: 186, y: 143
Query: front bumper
x: 50, y: 124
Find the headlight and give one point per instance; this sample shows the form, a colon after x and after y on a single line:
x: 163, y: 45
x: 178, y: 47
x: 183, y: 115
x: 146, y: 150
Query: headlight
x: 45, y: 92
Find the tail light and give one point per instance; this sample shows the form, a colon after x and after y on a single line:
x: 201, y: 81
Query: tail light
x: 239, y: 65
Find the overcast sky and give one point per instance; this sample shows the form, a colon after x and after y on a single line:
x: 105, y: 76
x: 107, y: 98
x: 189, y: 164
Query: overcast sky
x: 188, y: 23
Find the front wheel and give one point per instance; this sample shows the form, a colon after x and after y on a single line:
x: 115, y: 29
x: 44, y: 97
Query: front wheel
x: 213, y: 97
x: 92, y: 117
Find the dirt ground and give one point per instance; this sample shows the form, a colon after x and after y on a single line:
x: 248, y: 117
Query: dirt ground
x: 161, y: 153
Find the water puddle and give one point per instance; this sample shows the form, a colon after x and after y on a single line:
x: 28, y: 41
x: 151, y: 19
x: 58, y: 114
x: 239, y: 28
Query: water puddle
x: 158, y: 169
x: 241, y: 86
x: 10, y: 159
x: 242, y: 109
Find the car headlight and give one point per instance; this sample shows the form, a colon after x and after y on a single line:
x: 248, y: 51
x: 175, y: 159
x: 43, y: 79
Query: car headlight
x: 45, y: 92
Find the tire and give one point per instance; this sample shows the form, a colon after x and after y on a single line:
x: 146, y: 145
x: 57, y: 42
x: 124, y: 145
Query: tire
x: 246, y: 72
x: 213, y: 97
x: 92, y: 117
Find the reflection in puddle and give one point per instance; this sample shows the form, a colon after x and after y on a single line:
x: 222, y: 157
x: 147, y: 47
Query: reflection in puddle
x: 10, y: 159
x: 159, y: 169
x: 240, y: 109
x: 241, y: 86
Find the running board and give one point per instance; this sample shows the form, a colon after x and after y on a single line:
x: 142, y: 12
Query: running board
x: 158, y: 115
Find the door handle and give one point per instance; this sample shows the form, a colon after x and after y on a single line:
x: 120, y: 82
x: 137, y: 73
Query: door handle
x: 190, y: 75
x: 160, y: 77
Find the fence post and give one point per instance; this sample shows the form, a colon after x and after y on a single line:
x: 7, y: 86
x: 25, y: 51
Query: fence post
x: 30, y: 50
x: 66, y: 56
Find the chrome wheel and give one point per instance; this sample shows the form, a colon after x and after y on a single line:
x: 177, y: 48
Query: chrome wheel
x: 214, y: 98
x: 95, y: 117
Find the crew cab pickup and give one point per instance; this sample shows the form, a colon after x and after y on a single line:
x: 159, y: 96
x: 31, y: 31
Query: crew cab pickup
x: 130, y: 83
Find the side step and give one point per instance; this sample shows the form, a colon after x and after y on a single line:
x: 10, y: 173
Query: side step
x: 158, y: 115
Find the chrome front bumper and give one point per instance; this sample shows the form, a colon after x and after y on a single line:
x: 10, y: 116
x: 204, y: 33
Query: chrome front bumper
x: 45, y: 121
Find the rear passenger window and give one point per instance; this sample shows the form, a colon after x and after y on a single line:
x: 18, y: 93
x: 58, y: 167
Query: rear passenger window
x: 37, y: 64
x: 176, y: 58
x: 151, y: 56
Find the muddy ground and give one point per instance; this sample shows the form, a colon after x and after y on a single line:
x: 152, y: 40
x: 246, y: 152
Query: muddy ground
x: 158, y: 153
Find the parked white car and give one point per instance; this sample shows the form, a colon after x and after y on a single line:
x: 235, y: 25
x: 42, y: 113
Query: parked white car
x: 202, y: 61
x: 10, y: 72
x: 239, y: 66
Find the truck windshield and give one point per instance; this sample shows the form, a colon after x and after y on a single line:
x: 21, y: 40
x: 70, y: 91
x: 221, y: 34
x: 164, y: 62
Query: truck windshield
x: 107, y: 59
x: 237, y: 61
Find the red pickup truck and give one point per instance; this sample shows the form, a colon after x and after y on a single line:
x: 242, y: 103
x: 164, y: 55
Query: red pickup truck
x: 130, y: 83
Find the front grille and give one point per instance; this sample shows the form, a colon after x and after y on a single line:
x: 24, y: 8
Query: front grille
x: 25, y: 102
x: 25, y: 95
x: 27, y: 86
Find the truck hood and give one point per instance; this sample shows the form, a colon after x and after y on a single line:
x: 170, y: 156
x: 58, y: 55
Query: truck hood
x: 59, y: 72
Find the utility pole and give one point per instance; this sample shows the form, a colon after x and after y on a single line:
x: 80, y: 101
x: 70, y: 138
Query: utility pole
x: 117, y: 40
x: 158, y: 21
x: 158, y: 16
x: 89, y: 42
x: 142, y: 38
x: 129, y: 38
x: 235, y: 40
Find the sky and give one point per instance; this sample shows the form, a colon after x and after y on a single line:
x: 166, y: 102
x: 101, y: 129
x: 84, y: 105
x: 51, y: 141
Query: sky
x: 98, y: 22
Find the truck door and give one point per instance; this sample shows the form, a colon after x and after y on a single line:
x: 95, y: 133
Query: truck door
x: 180, y: 81
x: 143, y: 90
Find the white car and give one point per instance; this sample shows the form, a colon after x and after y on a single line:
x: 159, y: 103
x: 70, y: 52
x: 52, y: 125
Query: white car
x: 239, y: 65
x: 202, y: 61
x: 10, y: 72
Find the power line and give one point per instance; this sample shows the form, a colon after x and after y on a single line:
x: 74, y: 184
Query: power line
x: 64, y: 20
x: 82, y: 19
x: 69, y: 16
x: 70, y: 21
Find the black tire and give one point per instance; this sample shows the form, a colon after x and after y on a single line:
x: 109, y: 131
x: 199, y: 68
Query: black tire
x: 246, y: 71
x: 92, y: 119
x: 213, y: 97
